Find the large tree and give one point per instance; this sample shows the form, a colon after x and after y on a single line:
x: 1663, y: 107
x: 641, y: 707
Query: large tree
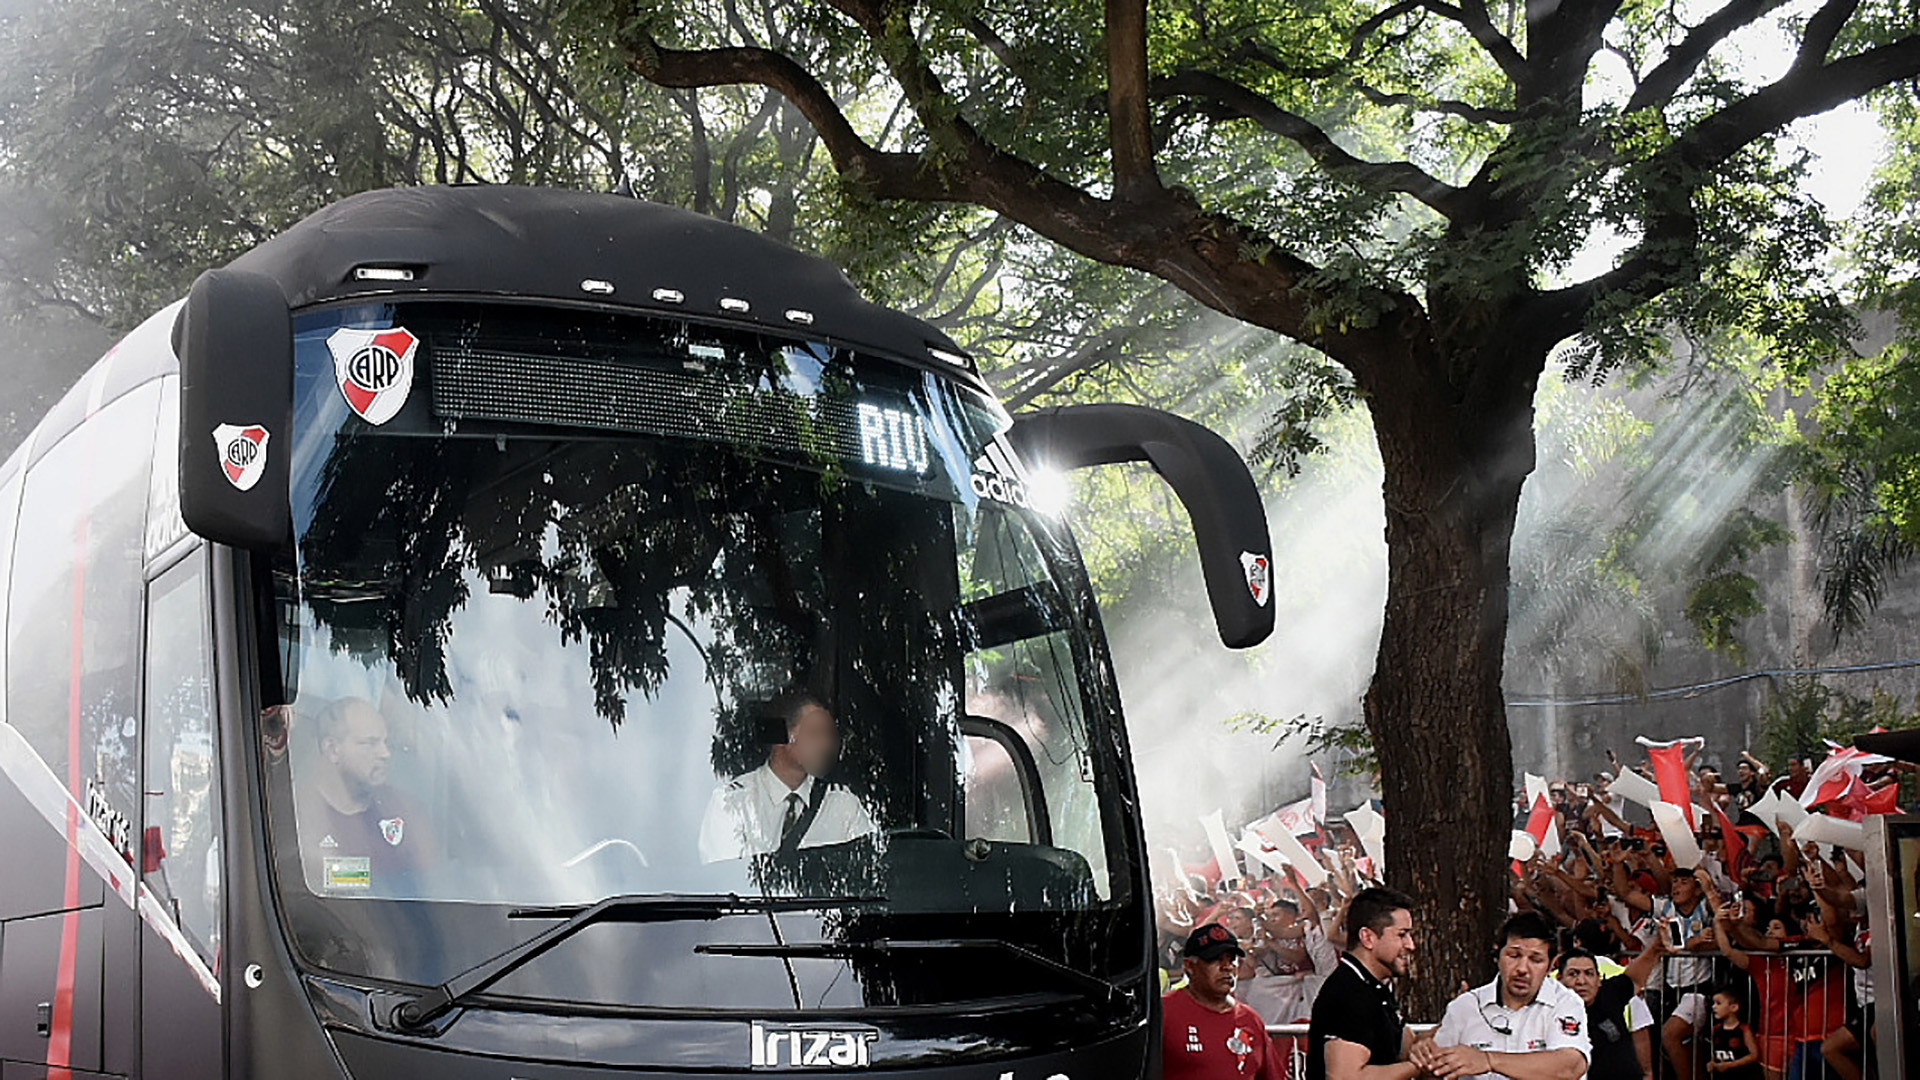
x: 1402, y: 186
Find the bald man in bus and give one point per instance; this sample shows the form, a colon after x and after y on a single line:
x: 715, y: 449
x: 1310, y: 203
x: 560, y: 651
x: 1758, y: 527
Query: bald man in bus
x: 360, y: 835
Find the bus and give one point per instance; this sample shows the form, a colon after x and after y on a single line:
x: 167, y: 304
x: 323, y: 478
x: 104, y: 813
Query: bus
x: 526, y: 634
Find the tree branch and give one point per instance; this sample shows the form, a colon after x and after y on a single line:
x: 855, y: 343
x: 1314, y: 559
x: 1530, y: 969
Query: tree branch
x: 985, y: 276
x: 1668, y: 252
x: 1472, y: 15
x: 887, y: 174
x: 1212, y: 257
x: 1358, y: 43
x: 1397, y: 177
x: 1562, y: 39
x: 1478, y: 114
x: 1801, y: 92
x: 1252, y: 49
x: 1821, y: 29
x: 990, y: 40
x: 1685, y: 58
x: 1129, y: 128
x: 1085, y: 356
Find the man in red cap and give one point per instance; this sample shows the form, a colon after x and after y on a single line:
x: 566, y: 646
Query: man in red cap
x: 1205, y: 1034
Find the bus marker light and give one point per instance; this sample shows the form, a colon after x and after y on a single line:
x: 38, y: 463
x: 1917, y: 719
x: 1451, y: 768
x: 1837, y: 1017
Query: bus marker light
x: 382, y: 273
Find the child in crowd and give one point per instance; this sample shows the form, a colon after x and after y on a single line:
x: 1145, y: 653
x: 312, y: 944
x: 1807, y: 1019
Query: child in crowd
x: 1736, y: 1056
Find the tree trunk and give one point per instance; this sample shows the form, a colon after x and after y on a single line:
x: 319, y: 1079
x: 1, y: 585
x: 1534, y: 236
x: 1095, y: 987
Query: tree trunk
x: 1454, y: 464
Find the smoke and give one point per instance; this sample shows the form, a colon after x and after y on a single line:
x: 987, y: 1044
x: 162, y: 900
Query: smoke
x: 1640, y: 493
x: 1183, y: 691
x: 1632, y: 499
x: 48, y: 350
x: 50, y: 339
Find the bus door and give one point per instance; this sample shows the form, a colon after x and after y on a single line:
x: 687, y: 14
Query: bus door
x: 181, y: 914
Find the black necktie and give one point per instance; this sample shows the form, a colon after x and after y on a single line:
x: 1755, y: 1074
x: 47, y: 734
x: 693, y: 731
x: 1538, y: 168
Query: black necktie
x: 794, y: 805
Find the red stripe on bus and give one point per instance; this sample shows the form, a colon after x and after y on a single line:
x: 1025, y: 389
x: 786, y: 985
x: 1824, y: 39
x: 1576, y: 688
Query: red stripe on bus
x: 60, y: 1029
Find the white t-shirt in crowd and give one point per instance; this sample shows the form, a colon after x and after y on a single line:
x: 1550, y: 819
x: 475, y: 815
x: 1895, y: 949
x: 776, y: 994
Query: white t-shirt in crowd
x: 1288, y: 998
x: 1617, y: 804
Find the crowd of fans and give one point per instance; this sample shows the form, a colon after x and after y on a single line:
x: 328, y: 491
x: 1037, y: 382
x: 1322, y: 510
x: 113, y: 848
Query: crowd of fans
x: 1756, y: 940
x: 1293, y: 933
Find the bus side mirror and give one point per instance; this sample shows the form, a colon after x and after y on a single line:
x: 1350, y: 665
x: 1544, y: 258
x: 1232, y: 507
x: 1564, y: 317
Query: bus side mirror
x: 235, y: 342
x: 1208, y: 476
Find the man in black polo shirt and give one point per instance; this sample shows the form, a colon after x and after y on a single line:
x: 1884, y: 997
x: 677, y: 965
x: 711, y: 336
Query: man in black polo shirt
x: 1357, y: 1032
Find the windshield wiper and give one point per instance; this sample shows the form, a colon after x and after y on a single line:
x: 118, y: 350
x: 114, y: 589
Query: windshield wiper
x: 1093, y: 986
x: 423, y: 1009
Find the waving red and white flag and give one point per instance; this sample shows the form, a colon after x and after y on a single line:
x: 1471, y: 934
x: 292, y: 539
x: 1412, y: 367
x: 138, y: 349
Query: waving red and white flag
x: 1293, y: 819
x: 1539, y: 826
x: 1833, y: 781
x: 1885, y: 800
x: 1670, y: 772
x: 1733, y: 845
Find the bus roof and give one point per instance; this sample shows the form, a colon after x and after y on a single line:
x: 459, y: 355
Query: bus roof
x: 580, y: 247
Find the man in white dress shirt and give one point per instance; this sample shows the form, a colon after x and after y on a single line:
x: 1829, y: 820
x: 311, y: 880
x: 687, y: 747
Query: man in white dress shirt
x: 1521, y: 1025
x: 785, y: 804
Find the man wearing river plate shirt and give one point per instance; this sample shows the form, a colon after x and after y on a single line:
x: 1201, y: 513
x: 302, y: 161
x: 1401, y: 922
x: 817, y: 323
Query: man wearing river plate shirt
x: 359, y: 836
x: 1205, y: 1034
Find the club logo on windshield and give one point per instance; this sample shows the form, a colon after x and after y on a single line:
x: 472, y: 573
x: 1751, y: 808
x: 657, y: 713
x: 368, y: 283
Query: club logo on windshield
x: 374, y: 369
x: 1259, y: 573
x: 391, y: 830
x: 242, y: 452
x: 826, y: 1048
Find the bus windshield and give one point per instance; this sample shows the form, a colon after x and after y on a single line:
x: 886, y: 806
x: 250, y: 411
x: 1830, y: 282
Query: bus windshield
x: 612, y: 606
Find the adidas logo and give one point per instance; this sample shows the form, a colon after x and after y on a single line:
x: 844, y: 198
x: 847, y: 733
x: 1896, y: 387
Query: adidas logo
x: 998, y: 475
x: 329, y: 841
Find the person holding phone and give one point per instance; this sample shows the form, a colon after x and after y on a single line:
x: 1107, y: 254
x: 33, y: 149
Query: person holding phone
x: 1802, y: 998
x: 1678, y: 990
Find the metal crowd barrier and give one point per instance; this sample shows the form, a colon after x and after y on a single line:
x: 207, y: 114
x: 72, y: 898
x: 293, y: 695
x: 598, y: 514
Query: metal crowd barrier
x: 1792, y: 1001
x: 1818, y: 996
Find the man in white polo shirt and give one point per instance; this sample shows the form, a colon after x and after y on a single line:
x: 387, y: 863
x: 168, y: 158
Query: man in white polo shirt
x: 1521, y: 1025
x: 787, y: 803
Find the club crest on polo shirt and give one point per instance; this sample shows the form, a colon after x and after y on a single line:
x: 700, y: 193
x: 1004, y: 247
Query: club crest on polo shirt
x: 1237, y: 1042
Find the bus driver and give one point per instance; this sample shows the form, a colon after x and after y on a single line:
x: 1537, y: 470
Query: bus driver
x: 786, y: 803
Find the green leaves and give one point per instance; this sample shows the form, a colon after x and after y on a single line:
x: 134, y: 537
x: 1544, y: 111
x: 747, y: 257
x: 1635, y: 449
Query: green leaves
x: 1863, y: 471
